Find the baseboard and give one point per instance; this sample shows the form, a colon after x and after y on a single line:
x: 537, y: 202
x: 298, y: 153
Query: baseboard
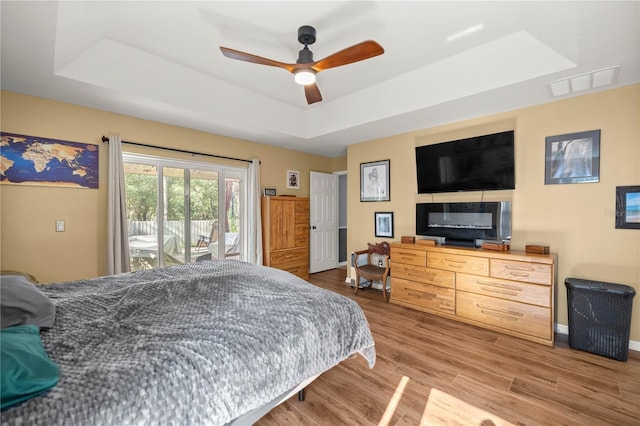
x: 564, y: 329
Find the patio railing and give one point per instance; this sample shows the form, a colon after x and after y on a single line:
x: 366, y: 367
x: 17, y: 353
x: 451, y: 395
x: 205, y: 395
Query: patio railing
x: 173, y: 227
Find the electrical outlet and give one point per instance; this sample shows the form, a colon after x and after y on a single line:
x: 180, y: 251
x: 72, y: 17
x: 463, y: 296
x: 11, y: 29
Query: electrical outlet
x: 59, y: 225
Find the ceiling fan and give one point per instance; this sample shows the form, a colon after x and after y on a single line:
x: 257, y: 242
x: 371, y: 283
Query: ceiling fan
x: 305, y: 68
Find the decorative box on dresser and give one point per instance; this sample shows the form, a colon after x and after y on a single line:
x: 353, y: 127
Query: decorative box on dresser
x: 285, y: 234
x: 507, y: 291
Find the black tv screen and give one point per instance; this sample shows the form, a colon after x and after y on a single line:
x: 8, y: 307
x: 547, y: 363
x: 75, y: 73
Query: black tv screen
x: 479, y: 163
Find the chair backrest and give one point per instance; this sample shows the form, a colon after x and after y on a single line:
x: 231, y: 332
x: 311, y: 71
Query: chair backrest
x: 214, y: 232
x: 380, y: 248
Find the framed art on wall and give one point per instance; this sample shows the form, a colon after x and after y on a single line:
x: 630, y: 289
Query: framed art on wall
x: 293, y: 179
x: 32, y: 160
x: 572, y: 158
x: 384, y: 224
x: 628, y: 207
x: 374, y: 181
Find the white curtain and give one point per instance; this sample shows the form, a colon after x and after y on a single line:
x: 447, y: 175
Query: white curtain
x: 117, y: 234
x: 255, y: 218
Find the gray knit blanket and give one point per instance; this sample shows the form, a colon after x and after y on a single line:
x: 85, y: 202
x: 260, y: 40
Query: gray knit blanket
x: 196, y: 344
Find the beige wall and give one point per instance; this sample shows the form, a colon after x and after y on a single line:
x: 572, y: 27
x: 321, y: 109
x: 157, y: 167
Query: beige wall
x: 28, y: 213
x: 577, y: 220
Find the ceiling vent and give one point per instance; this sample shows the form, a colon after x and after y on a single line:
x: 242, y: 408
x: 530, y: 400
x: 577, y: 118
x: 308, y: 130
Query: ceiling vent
x: 587, y: 81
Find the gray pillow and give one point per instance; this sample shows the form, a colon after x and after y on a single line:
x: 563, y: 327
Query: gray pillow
x: 21, y: 302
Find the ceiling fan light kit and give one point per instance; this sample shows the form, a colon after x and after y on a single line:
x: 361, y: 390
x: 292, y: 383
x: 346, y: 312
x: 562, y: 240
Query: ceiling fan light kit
x: 304, y: 76
x: 305, y: 68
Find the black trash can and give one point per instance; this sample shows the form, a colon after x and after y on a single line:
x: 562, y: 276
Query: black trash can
x: 599, y: 317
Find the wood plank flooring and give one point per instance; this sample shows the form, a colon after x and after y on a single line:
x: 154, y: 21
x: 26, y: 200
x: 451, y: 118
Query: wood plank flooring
x: 431, y: 370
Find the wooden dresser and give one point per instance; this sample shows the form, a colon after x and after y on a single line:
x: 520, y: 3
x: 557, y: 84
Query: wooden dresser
x: 510, y: 292
x: 285, y: 234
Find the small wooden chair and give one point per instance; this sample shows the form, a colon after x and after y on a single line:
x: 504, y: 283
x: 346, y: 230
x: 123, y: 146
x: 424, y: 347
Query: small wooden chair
x: 376, y: 268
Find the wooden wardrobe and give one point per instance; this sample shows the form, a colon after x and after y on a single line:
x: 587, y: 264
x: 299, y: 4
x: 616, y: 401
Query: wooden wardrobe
x: 285, y: 234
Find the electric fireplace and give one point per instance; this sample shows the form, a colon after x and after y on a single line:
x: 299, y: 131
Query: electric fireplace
x: 464, y: 224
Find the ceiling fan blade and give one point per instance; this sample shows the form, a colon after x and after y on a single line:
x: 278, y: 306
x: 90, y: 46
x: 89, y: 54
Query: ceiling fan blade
x: 312, y: 93
x: 357, y: 52
x: 248, y: 57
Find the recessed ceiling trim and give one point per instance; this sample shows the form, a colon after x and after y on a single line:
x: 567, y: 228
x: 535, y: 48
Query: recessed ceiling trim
x: 126, y: 69
x: 508, y: 60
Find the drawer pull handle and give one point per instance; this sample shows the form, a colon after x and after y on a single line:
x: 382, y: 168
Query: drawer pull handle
x: 419, y: 275
x: 499, y: 291
x: 519, y: 268
x: 403, y: 253
x: 518, y: 274
x: 502, y: 313
x: 454, y: 260
x: 499, y: 315
x: 420, y: 295
x: 510, y: 290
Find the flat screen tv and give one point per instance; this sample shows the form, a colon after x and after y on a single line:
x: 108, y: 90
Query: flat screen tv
x: 480, y: 163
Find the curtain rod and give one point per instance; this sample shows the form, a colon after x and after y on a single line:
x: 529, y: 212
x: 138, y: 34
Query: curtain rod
x: 106, y: 139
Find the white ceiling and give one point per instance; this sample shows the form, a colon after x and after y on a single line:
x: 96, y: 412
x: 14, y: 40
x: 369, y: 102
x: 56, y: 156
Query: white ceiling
x: 160, y: 61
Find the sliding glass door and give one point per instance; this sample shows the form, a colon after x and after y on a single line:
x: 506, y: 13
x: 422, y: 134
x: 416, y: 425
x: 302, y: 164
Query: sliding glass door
x: 177, y: 211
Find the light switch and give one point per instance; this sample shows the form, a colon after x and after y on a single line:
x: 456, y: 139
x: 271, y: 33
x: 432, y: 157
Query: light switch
x: 59, y: 225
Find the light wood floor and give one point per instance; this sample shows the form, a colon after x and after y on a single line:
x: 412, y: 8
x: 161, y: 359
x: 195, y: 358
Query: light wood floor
x: 431, y: 370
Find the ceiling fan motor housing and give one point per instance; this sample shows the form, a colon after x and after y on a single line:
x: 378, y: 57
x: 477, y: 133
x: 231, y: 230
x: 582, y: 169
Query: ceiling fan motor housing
x: 305, y: 56
x: 306, y: 36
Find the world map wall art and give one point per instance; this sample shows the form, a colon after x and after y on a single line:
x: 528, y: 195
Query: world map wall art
x: 31, y: 160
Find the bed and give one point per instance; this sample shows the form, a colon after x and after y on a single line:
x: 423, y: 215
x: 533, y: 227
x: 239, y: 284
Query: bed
x: 213, y: 343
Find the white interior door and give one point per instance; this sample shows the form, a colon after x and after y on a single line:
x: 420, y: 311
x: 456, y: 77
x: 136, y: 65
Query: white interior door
x: 323, y: 222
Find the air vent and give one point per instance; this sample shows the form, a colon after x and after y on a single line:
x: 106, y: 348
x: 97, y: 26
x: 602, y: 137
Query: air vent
x: 587, y: 81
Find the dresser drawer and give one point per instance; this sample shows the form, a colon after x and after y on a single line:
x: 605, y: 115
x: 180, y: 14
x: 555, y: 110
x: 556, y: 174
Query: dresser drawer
x: 300, y: 269
x: 458, y: 263
x: 408, y: 256
x: 425, y: 296
x: 423, y: 275
x: 519, y: 317
x: 288, y: 256
x: 538, y: 273
x: 505, y: 289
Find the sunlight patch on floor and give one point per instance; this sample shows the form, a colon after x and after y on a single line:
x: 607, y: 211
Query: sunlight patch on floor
x: 444, y: 409
x: 393, y: 403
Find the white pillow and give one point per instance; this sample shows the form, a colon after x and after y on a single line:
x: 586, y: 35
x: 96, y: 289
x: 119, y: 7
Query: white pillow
x: 379, y: 260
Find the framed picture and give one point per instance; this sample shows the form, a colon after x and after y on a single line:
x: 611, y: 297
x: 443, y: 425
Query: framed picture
x: 374, y: 181
x: 628, y: 207
x: 269, y: 192
x: 36, y: 161
x: 384, y: 224
x: 572, y: 158
x: 293, y: 179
